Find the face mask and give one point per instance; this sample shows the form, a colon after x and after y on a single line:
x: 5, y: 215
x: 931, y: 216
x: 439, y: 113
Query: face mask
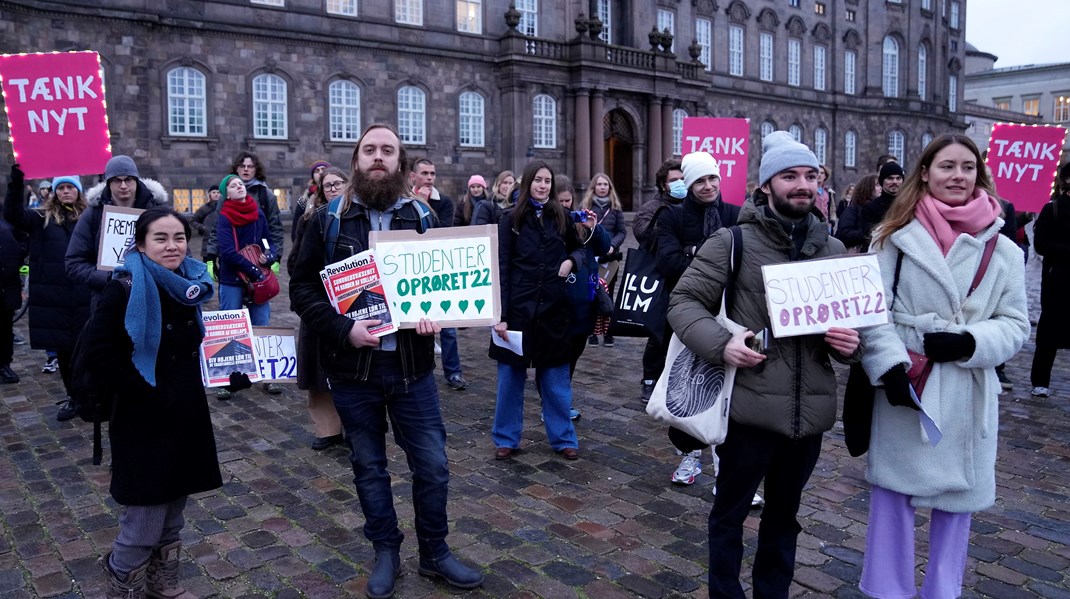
x: 678, y: 189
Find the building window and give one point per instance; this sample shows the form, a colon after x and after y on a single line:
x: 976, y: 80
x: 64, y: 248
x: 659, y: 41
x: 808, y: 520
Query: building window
x: 765, y: 56
x: 704, y: 37
x: 412, y: 115
x: 796, y: 133
x: 923, y: 66
x: 529, y: 17
x: 895, y: 146
x: 1031, y: 105
x: 819, y: 68
x: 344, y: 101
x: 819, y: 8
x: 891, y: 68
x: 953, y: 93
x: 954, y: 45
x: 735, y: 50
x: 667, y: 20
x: 678, y: 117
x: 1061, y: 111
x: 794, y: 61
x: 767, y: 128
x: 926, y: 139
x: 926, y: 4
x: 342, y: 7
x: 849, y: 58
x: 470, y: 121
x: 851, y: 17
x: 409, y: 12
x: 269, y: 107
x: 544, y: 123
x: 470, y: 16
x: 604, y: 11
x: 793, y: 3
x: 269, y: 2
x: 954, y: 20
x: 850, y: 149
x: 186, y: 102
x: 1001, y: 103
x: 821, y: 143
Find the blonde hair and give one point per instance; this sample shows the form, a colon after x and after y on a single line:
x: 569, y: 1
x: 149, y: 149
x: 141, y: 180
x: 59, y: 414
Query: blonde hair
x: 588, y: 196
x: 503, y: 201
x: 55, y: 210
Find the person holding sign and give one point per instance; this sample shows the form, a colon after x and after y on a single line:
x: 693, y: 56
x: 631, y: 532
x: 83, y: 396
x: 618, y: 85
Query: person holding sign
x: 1051, y: 238
x: 375, y: 378
x: 538, y: 248
x: 957, y: 299
x: 144, y: 339
x: 784, y: 397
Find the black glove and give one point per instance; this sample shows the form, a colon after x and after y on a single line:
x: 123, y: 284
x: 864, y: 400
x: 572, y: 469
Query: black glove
x: 270, y: 258
x: 17, y: 176
x: 948, y: 347
x: 897, y: 387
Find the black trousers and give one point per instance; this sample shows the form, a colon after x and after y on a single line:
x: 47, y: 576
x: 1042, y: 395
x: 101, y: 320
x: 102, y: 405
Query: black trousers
x: 7, y: 336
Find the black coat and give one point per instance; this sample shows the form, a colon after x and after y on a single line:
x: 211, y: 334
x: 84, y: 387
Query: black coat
x: 849, y: 228
x: 679, y: 234
x: 59, y: 307
x: 1051, y: 238
x: 11, y: 255
x: 162, y: 443
x: 872, y: 214
x: 443, y: 208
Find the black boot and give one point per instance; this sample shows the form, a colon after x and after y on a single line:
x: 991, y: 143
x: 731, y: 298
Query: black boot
x: 384, y: 574
x: 452, y: 571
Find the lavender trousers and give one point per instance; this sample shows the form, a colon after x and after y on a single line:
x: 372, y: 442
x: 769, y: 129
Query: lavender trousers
x: 888, y: 569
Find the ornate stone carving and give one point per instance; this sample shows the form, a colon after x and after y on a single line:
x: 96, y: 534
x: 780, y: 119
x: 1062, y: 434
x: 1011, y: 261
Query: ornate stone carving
x: 738, y: 12
x: 852, y: 40
x: 512, y: 16
x: 768, y: 19
x: 796, y: 27
x: 822, y: 33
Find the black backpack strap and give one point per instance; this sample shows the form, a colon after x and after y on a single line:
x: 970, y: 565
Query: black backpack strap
x: 737, y: 260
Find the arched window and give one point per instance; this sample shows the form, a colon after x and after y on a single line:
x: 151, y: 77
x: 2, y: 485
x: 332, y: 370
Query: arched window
x: 678, y: 116
x: 269, y: 107
x: 821, y: 142
x: 926, y: 139
x: 796, y: 132
x: 952, y: 92
x: 186, y: 102
x: 344, y: 107
x: 850, y: 149
x: 891, y: 68
x: 412, y: 115
x: 544, y: 121
x: 470, y: 121
x: 896, y: 144
x: 923, y: 66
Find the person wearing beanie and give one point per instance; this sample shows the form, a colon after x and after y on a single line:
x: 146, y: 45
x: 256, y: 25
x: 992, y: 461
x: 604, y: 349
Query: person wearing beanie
x: 784, y: 397
x: 890, y: 178
x: 476, y: 195
x: 315, y: 176
x: 241, y: 223
x: 248, y: 167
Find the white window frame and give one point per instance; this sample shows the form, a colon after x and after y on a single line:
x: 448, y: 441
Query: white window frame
x: 412, y: 115
x: 678, y: 116
x: 953, y: 93
x: 667, y: 20
x: 269, y: 2
x: 926, y: 4
x: 529, y: 17
x: 767, y: 127
x: 897, y: 145
x: 343, y: 108
x: 953, y: 20
x: 269, y: 111
x: 409, y: 12
x: 796, y: 132
x: 1026, y: 108
x: 850, y: 69
x: 850, y: 149
x: 926, y: 139
x: 820, y: 79
x: 604, y: 12
x: 765, y: 56
x: 187, y: 104
x: 821, y: 144
x: 704, y: 37
x: 923, y: 67
x: 735, y: 50
x: 794, y: 62
x: 470, y: 16
x: 890, y: 68
x: 1060, y: 108
x: 346, y: 8
x: 544, y: 121
x: 471, y: 119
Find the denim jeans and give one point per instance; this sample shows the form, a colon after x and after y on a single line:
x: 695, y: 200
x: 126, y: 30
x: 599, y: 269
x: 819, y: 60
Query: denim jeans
x: 143, y: 528
x: 747, y: 455
x: 416, y: 419
x: 556, y: 390
x: 231, y: 298
x: 451, y: 356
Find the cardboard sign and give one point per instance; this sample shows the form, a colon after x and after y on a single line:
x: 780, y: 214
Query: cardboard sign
x: 228, y: 347
x: 449, y: 275
x: 116, y: 235
x: 728, y: 141
x: 1025, y: 160
x: 56, y: 113
x: 811, y: 296
x: 276, y: 352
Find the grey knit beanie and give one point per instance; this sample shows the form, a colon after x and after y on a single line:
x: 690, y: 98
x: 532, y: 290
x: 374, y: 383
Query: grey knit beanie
x: 781, y: 152
x: 120, y: 166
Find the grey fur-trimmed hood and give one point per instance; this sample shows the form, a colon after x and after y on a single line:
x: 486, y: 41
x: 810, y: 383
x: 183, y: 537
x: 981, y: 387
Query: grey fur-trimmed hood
x: 154, y: 187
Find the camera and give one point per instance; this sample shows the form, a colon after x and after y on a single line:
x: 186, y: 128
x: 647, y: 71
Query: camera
x: 579, y: 216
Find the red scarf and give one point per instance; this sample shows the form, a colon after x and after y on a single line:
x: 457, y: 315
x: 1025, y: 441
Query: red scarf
x: 945, y: 222
x: 240, y: 212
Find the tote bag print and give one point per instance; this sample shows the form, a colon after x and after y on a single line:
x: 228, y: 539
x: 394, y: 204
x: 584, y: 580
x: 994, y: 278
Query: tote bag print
x: 694, y: 386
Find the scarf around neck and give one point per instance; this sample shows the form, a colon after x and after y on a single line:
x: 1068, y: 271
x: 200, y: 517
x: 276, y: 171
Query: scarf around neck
x: 945, y: 222
x: 240, y: 212
x: 190, y: 285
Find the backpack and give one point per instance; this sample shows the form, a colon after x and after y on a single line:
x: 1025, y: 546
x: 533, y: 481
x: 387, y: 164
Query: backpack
x: 87, y: 399
x: 334, y: 223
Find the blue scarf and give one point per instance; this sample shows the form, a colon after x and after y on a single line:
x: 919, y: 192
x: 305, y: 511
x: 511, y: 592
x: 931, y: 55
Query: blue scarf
x: 538, y: 206
x: 191, y: 285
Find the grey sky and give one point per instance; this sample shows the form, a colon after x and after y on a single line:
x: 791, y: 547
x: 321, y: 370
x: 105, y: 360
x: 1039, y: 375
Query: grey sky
x: 1019, y: 31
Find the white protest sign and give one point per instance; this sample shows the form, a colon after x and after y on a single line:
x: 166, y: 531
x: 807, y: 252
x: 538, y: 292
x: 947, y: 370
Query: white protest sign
x: 449, y: 275
x: 811, y: 296
x: 276, y: 351
x: 116, y: 235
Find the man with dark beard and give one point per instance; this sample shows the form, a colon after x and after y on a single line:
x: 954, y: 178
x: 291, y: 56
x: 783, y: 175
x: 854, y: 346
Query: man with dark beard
x: 785, y: 395
x: 374, y: 377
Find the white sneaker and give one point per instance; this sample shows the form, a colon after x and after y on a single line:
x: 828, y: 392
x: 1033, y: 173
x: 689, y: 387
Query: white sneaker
x: 1040, y: 391
x: 689, y: 468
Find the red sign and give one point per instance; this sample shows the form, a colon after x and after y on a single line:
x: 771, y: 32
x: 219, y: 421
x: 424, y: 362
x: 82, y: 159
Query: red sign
x: 1024, y: 160
x: 728, y: 141
x: 56, y: 113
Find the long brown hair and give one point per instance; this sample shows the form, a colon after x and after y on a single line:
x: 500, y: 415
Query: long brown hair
x: 614, y: 201
x: 320, y: 198
x: 552, y: 208
x: 55, y: 210
x: 914, y: 189
x: 863, y: 191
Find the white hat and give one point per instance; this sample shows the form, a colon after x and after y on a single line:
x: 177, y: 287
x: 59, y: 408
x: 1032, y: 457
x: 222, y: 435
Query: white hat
x: 697, y: 165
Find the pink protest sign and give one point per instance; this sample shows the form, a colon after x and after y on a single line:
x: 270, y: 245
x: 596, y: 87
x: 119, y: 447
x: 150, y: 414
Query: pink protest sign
x: 728, y: 141
x: 56, y: 113
x: 1024, y: 160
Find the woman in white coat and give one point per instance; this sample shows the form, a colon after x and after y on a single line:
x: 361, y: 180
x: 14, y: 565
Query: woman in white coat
x: 935, y: 236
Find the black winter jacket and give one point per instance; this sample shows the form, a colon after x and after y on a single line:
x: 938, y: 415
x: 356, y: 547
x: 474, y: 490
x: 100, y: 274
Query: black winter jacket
x: 269, y: 204
x: 680, y: 234
x: 849, y: 228
x: 443, y: 208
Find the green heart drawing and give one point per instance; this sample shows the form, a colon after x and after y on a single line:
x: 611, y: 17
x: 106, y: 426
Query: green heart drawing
x: 405, y: 306
x: 425, y: 306
x: 463, y: 305
x: 445, y: 305
x: 480, y: 304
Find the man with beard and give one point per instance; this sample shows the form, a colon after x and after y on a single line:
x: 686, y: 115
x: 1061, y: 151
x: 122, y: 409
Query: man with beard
x: 372, y: 378
x: 890, y: 179
x: 785, y: 395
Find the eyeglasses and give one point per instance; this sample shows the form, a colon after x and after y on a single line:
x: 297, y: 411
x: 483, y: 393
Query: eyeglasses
x: 334, y: 185
x: 125, y: 180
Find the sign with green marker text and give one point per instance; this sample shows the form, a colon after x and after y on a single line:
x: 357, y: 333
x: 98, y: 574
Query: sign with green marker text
x: 449, y: 275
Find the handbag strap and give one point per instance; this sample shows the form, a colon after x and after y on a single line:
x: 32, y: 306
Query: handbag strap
x: 982, y: 268
x: 735, y: 263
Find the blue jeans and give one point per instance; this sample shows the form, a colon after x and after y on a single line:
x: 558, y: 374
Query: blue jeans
x: 556, y: 389
x: 451, y: 356
x: 415, y: 416
x: 231, y: 298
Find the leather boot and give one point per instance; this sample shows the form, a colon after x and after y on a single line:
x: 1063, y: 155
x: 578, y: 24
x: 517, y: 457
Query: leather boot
x: 162, y: 574
x: 452, y: 571
x: 384, y: 574
x: 131, y: 588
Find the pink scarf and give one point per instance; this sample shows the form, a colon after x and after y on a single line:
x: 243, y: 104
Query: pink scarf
x: 945, y: 223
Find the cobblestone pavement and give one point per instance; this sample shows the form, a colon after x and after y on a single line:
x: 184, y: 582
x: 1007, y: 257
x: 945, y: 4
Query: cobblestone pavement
x: 287, y: 522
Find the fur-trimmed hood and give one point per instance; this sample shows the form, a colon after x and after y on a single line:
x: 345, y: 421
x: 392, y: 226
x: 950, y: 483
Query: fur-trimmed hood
x: 96, y: 194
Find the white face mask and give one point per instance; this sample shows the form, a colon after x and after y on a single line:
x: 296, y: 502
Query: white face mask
x: 678, y: 189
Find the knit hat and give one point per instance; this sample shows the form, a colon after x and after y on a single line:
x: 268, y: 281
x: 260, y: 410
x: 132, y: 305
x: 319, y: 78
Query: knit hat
x: 45, y: 184
x: 697, y: 165
x: 476, y: 180
x: 223, y: 184
x: 889, y: 169
x: 120, y: 166
x: 72, y: 179
x: 316, y: 165
x: 781, y: 152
